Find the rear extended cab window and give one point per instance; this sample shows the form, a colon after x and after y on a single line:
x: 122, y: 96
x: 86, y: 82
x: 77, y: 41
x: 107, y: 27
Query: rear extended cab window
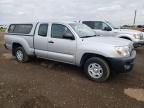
x: 20, y: 28
x: 43, y: 29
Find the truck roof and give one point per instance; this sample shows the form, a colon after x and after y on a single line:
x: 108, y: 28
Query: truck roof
x: 64, y: 22
x: 95, y: 20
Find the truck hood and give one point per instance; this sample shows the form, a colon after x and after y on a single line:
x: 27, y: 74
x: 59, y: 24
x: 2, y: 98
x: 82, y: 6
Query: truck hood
x: 127, y: 31
x: 111, y: 41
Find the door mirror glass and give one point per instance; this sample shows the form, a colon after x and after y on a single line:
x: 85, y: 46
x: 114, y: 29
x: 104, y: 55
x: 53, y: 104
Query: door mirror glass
x: 68, y: 36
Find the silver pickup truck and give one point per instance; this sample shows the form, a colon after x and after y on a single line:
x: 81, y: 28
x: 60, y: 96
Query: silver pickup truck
x: 105, y: 28
x: 71, y: 43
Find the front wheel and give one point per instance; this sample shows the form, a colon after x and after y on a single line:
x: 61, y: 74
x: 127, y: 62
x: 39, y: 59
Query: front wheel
x: 97, y: 69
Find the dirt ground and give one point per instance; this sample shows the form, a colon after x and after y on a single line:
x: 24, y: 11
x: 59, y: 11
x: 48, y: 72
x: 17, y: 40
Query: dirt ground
x: 46, y: 84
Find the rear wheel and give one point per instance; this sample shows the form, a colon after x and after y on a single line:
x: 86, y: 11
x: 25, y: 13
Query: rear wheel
x: 97, y: 69
x: 21, y: 55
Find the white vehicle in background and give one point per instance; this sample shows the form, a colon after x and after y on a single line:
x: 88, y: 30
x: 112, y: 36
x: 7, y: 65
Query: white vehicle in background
x: 105, y: 28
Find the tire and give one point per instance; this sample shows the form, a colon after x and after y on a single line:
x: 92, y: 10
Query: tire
x: 21, y: 55
x: 97, y: 69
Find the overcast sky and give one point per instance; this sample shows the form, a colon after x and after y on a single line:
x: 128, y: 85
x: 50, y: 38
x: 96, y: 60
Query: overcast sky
x: 118, y: 12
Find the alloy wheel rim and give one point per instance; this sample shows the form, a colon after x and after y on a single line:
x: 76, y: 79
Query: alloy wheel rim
x: 95, y: 70
x: 19, y: 55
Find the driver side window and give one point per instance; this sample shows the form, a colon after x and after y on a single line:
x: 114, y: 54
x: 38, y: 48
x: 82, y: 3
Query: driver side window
x: 58, y: 31
x: 105, y: 27
x: 98, y: 25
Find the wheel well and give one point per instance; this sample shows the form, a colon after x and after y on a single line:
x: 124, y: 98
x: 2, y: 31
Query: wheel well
x: 14, y: 46
x: 126, y: 38
x: 89, y: 55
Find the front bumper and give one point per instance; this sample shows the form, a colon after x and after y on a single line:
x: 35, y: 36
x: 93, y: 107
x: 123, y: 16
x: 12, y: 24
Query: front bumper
x: 138, y: 44
x: 121, y: 65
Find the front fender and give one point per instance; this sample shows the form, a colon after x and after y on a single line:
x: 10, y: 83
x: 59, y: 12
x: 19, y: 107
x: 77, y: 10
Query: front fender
x: 129, y: 36
x: 80, y: 54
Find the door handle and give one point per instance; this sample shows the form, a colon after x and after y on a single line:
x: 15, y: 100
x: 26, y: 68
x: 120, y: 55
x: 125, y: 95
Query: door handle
x: 50, y: 42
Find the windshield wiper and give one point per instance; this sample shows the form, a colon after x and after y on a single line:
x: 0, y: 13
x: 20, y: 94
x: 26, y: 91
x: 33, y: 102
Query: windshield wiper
x: 88, y: 36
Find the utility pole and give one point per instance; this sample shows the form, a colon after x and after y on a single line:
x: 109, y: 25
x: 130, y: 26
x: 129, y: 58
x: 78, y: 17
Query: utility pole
x: 135, y: 17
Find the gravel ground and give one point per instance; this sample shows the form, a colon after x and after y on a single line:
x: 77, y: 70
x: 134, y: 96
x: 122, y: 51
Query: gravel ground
x: 46, y: 84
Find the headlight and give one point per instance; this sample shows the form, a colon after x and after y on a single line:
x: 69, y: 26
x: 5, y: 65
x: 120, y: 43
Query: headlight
x: 137, y: 36
x: 123, y: 51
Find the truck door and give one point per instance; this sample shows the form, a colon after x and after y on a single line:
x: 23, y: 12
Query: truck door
x: 41, y: 40
x: 62, y: 44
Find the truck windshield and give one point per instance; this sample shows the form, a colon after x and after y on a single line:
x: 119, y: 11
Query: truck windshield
x: 83, y: 31
x: 113, y: 26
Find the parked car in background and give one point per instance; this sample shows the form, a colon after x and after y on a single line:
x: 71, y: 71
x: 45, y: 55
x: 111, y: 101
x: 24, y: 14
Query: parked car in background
x: 105, y: 28
x: 71, y: 43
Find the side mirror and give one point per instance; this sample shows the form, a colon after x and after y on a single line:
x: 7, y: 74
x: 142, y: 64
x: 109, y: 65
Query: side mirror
x: 68, y: 36
x: 107, y: 29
